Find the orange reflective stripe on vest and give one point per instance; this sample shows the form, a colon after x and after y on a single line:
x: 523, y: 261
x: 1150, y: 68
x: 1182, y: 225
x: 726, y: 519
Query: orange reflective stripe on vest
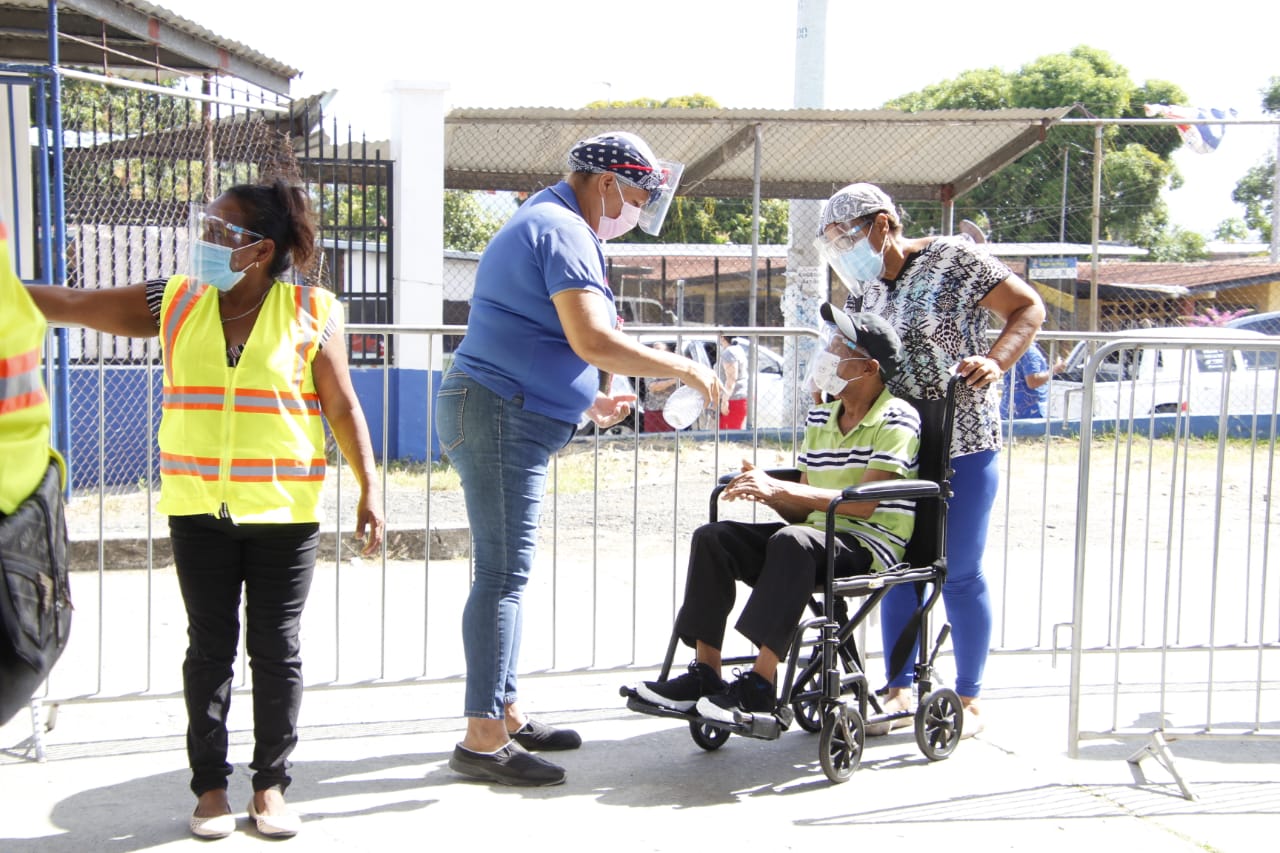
x: 179, y: 310
x: 305, y: 303
x: 21, y: 385
x: 266, y: 470
x: 245, y: 401
x: 242, y: 470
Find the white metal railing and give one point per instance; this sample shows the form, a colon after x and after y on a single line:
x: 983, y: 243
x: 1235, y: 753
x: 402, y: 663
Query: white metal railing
x: 1175, y: 632
x: 616, y: 527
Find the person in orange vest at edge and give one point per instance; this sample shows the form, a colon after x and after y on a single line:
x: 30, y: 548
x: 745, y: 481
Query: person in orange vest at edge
x: 242, y: 463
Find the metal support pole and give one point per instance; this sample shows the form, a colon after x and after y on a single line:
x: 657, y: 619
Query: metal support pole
x: 1094, y: 312
x: 1275, y: 203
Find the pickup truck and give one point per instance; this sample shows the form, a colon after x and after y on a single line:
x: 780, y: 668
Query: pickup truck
x: 1156, y: 378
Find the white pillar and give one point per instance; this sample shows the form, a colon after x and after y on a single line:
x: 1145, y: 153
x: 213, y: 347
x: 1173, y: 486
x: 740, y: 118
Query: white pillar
x: 16, y: 202
x: 806, y: 276
x: 417, y: 147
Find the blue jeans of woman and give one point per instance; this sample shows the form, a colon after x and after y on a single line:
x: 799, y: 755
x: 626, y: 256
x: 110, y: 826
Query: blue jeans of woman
x: 501, y: 454
x: 965, y: 594
x: 274, y: 563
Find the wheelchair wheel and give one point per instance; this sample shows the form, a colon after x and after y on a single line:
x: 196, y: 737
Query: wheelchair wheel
x: 809, y: 711
x: 939, y: 720
x: 840, y: 744
x: 706, y: 736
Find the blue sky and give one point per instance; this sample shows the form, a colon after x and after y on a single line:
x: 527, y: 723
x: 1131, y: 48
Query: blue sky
x: 508, y: 53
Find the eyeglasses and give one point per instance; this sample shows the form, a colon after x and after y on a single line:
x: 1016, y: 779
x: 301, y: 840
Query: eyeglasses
x: 215, y: 229
x: 844, y: 241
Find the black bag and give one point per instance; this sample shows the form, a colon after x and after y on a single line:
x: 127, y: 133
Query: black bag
x: 35, y: 600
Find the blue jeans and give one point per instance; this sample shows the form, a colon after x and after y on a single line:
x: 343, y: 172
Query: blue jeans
x: 965, y: 593
x: 501, y: 453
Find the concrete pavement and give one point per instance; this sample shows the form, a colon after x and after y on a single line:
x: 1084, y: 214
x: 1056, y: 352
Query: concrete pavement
x: 371, y: 774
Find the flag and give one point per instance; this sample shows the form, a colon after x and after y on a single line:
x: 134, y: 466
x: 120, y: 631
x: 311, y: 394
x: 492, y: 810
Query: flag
x: 1201, y: 138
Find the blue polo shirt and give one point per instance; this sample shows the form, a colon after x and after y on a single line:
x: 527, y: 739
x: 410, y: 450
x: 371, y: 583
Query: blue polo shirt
x: 514, y: 342
x: 1028, y: 402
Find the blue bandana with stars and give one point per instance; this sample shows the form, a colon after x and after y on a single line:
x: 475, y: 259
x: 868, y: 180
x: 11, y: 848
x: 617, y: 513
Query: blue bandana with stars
x: 622, y: 154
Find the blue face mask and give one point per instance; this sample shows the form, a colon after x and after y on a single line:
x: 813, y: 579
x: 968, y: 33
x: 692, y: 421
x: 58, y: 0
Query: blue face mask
x: 860, y: 264
x: 211, y: 265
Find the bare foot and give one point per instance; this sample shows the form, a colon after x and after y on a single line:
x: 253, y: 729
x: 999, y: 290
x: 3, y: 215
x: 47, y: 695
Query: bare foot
x: 213, y: 803
x: 269, y: 802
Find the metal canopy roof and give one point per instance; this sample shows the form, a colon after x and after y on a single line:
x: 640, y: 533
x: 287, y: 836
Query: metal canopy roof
x: 129, y: 37
x: 924, y: 156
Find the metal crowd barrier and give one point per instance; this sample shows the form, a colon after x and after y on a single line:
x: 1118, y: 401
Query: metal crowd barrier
x: 1174, y: 617
x: 616, y: 526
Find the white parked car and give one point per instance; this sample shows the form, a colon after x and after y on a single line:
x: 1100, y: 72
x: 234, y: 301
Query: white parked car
x: 1154, y: 379
x: 770, y: 409
x: 1268, y: 324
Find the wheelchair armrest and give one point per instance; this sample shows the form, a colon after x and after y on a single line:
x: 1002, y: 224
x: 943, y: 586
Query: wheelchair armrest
x: 892, y: 489
x: 791, y: 475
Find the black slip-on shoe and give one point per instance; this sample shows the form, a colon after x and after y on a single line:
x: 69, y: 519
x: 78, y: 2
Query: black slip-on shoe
x: 511, y: 765
x: 535, y: 735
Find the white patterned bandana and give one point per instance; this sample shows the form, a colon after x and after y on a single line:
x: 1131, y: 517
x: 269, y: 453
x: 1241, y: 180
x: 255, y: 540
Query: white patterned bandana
x: 854, y: 202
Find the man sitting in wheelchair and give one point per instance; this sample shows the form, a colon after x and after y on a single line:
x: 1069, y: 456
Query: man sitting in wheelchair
x: 864, y: 434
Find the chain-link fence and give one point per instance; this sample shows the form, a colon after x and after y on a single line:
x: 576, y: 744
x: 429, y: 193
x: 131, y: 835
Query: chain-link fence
x: 1036, y: 212
x: 134, y: 163
x: 1031, y: 187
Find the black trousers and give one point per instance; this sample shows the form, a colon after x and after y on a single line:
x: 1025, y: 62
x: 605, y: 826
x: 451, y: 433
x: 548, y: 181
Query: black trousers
x: 274, y: 564
x: 783, y: 563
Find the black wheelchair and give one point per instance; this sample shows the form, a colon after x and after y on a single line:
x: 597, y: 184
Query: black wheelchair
x: 824, y: 688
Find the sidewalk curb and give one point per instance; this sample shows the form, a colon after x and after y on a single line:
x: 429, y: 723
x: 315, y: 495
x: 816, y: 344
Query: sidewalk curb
x: 124, y: 552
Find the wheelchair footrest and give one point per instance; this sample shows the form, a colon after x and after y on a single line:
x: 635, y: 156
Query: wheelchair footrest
x: 635, y: 703
x: 762, y: 726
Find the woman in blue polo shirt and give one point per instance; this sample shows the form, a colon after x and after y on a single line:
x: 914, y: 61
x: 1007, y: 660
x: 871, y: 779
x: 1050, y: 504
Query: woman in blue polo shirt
x: 542, y: 330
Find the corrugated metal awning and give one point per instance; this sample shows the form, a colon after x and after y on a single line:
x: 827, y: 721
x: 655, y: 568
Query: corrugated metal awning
x: 132, y: 36
x: 925, y: 156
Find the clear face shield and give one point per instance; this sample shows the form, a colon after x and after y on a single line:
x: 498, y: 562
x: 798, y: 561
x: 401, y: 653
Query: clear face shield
x: 212, y: 242
x: 654, y: 212
x: 822, y: 364
x: 836, y: 248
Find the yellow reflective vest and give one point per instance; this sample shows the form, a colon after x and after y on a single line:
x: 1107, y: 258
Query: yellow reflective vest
x: 24, y: 406
x: 246, y: 441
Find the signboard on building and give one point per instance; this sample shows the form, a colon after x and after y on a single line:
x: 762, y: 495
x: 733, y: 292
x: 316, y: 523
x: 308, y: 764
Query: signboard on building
x: 1044, y: 269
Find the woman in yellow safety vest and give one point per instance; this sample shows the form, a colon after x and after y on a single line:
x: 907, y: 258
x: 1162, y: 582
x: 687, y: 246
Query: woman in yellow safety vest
x: 241, y: 467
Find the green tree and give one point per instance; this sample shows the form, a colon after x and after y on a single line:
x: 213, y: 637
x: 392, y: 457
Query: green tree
x: 1255, y: 190
x: 349, y: 207
x: 468, y: 227
x: 1232, y: 230
x: 706, y: 220
x: 1025, y: 201
x: 1166, y: 242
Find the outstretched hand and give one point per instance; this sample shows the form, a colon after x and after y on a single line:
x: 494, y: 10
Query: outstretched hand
x: 608, y: 410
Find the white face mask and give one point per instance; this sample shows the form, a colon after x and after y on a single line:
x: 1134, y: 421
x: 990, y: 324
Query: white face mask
x: 826, y: 376
x: 616, y: 226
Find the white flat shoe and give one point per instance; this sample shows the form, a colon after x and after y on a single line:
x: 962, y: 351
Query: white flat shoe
x: 973, y: 725
x: 217, y: 826
x: 276, y: 825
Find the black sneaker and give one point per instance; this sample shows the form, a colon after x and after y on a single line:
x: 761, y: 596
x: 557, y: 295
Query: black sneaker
x: 681, y: 694
x: 749, y: 693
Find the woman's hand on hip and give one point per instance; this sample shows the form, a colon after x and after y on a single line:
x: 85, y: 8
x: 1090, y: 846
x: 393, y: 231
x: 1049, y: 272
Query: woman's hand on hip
x: 979, y: 371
